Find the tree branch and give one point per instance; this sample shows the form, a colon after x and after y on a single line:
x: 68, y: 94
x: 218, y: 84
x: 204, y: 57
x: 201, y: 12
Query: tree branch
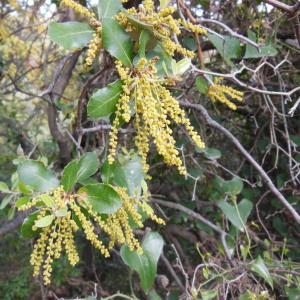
x: 246, y: 154
x: 197, y: 216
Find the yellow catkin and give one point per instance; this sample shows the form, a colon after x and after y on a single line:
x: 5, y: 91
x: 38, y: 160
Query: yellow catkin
x: 155, y: 110
x: 59, y: 235
x: 95, y: 43
x: 223, y: 93
x: 78, y: 8
x: 93, y: 47
x: 162, y: 24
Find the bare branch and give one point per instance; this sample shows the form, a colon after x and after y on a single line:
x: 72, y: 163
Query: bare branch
x: 246, y: 154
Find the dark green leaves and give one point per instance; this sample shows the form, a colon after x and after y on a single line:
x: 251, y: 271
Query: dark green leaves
x: 79, y: 170
x: 103, y: 102
x: 259, y: 267
x: 44, y: 222
x: 70, y: 35
x: 202, y: 85
x: 232, y: 187
x: 252, y: 52
x: 34, y: 174
x: 108, y: 8
x: 127, y: 172
x: 237, y: 214
x: 27, y: 225
x: 116, y: 41
x: 104, y: 199
x: 228, y: 47
x: 145, y: 264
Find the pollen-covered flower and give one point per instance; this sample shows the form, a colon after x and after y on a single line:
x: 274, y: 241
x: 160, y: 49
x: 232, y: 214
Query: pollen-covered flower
x: 162, y: 25
x: 155, y: 110
x: 95, y: 44
x: 223, y: 93
x: 58, y: 235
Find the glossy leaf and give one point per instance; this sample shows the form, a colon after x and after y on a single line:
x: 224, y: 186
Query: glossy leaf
x: 237, y: 215
x: 146, y: 264
x: 259, y: 267
x: 228, y: 47
x: 35, y: 174
x: 3, y: 187
x: 130, y: 174
x: 202, y: 85
x: 233, y: 186
x: 212, y: 153
x: 253, y: 52
x: 116, y: 41
x: 21, y: 201
x: 69, y: 177
x: 5, y: 201
x: 108, y: 8
x: 164, y: 3
x: 70, y: 35
x: 143, y: 41
x: 80, y: 170
x: 103, y: 102
x: 26, y: 228
x: 44, y: 222
x: 104, y: 199
x: 181, y: 66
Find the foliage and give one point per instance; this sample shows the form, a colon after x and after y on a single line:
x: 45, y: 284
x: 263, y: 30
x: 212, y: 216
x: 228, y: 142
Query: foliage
x: 193, y: 193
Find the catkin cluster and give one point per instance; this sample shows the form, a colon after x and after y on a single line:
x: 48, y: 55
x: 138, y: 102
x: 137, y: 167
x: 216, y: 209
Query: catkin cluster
x: 58, y: 236
x: 161, y: 24
x: 96, y: 42
x: 155, y: 110
x: 223, y: 93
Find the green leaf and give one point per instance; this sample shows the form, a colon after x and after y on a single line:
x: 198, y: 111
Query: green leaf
x: 48, y: 201
x: 69, y: 177
x: 3, y: 187
x: 233, y: 186
x: 146, y: 264
x: 70, y: 35
x: 88, y: 166
x: 253, y: 52
x: 163, y: 3
x: 202, y: 85
x: 293, y: 293
x: 228, y: 47
x: 143, y: 41
x: 26, y: 228
x: 130, y: 174
x: 116, y: 41
x: 178, y: 68
x: 237, y: 215
x: 5, y: 201
x: 21, y: 201
x: 104, y: 199
x: 61, y: 212
x: 44, y: 222
x: 107, y: 172
x: 80, y: 170
x: 108, y: 8
x: 209, y: 294
x: 212, y: 153
x: 103, y: 102
x: 34, y: 174
x: 259, y: 267
x: 138, y: 23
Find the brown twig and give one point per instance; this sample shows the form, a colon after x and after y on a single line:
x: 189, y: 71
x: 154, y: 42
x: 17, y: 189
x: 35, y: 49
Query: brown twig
x: 212, y: 123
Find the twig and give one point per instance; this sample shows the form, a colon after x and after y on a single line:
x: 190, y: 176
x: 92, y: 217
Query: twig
x: 173, y: 273
x: 246, y: 154
x: 199, y: 217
